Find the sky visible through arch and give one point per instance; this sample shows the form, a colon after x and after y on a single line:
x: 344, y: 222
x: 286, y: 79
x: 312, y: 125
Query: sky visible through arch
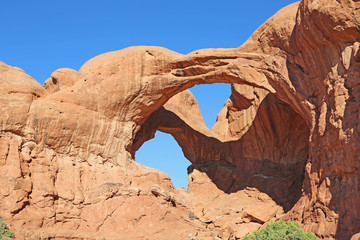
x: 163, y: 153
x: 42, y: 36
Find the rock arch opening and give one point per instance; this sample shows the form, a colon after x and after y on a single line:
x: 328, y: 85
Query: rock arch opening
x: 211, y: 99
x: 258, y: 141
x: 164, y: 153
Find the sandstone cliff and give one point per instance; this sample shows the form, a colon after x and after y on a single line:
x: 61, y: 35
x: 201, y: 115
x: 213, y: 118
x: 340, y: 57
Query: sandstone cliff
x: 286, y: 145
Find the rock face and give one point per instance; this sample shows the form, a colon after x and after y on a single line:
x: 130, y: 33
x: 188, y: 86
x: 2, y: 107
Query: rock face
x: 286, y: 145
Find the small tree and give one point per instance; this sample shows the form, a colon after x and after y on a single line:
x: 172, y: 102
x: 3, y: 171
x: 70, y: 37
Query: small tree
x: 281, y: 231
x: 5, y: 233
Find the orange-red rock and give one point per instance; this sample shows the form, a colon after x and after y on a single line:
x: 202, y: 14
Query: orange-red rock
x: 61, y: 79
x: 286, y: 144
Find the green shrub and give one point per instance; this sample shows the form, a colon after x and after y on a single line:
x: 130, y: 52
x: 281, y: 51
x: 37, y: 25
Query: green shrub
x: 281, y: 231
x: 5, y: 233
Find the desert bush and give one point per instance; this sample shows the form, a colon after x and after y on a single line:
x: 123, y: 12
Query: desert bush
x: 5, y: 233
x: 281, y: 231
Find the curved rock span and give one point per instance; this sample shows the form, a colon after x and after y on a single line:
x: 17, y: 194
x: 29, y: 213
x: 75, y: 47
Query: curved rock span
x: 286, y: 145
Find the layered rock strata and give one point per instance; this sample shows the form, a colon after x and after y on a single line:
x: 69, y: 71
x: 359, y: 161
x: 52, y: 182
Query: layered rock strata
x: 285, y: 145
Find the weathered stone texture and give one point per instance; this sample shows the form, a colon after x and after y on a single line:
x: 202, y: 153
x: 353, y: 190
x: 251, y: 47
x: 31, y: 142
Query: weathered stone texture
x: 286, y: 145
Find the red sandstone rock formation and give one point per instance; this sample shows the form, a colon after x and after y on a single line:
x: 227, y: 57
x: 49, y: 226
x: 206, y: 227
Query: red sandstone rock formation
x: 285, y: 146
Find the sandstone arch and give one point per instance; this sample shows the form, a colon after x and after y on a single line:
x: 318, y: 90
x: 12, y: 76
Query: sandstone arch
x: 270, y: 154
x: 305, y: 60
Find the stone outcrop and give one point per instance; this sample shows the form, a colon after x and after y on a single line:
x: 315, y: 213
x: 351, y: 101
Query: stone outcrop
x: 285, y: 145
x: 61, y: 79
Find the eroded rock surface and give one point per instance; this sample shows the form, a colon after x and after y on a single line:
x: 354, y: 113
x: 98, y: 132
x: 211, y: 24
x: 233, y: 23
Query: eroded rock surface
x: 285, y: 146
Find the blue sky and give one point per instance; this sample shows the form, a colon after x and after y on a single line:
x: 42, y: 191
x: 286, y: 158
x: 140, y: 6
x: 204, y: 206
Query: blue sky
x: 41, y: 36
